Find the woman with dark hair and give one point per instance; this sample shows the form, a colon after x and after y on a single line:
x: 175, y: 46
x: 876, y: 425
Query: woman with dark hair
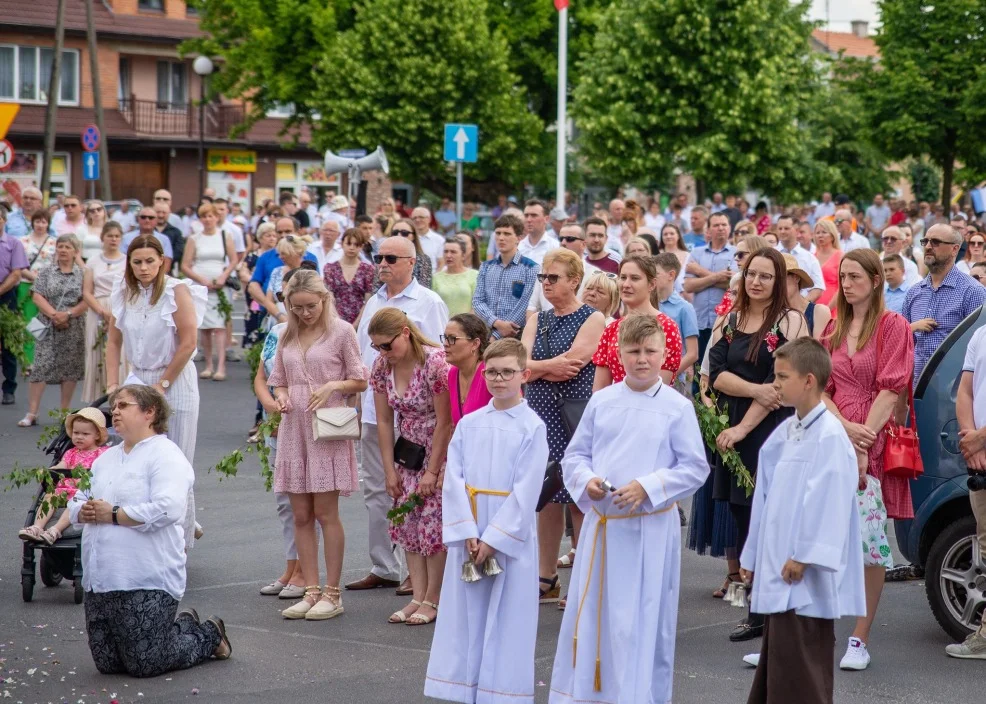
x: 471, y: 243
x: 872, y: 364
x: 672, y: 241
x: 465, y: 340
x: 761, y: 217
x: 350, y: 279
x: 154, y: 327
x: 741, y: 370
x: 133, y: 554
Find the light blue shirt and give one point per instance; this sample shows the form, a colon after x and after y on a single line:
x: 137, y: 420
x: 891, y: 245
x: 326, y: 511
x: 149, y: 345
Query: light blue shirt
x: 682, y: 313
x: 705, y: 302
x: 894, y: 297
x: 165, y: 242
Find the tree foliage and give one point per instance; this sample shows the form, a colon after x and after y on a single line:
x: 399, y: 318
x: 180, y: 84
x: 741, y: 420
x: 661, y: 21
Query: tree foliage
x: 926, y: 95
x: 408, y: 66
x: 925, y: 181
x: 713, y: 87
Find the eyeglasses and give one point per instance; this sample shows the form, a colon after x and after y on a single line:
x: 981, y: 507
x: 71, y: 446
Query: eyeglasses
x: 147, y: 217
x: 756, y: 275
x: 568, y: 239
x: 402, y: 233
x: 494, y: 374
x: 976, y: 244
x: 450, y: 340
x: 935, y: 242
x: 389, y: 258
x: 839, y: 222
x: 310, y: 308
x: 740, y: 256
x: 95, y: 209
x: 385, y: 346
x: 120, y: 405
x: 889, y: 239
x: 550, y: 278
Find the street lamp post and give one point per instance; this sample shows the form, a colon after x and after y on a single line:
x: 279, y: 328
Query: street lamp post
x: 203, y: 67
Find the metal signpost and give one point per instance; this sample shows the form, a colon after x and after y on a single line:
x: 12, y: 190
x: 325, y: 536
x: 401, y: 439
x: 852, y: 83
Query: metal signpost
x: 462, y: 147
x: 6, y: 154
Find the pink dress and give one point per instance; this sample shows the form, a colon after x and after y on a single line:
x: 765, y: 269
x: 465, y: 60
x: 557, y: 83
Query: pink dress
x: 76, y: 458
x: 830, y: 273
x: 304, y: 466
x: 477, y: 397
x: 855, y: 383
x: 421, y: 531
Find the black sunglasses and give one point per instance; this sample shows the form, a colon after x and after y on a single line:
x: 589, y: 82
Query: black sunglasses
x: 934, y: 242
x: 389, y: 258
x: 385, y: 346
x: 402, y: 233
x: 550, y: 278
x: 147, y: 217
x: 570, y: 239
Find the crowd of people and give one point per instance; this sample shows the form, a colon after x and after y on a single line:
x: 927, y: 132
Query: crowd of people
x: 383, y: 331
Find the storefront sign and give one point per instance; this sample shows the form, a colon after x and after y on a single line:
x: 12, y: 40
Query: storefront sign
x: 239, y: 160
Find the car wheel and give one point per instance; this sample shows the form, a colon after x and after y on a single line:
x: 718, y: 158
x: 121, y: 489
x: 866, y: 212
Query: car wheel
x: 955, y: 579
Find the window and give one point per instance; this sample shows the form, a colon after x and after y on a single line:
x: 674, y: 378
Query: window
x: 155, y: 5
x: 281, y: 110
x: 25, y: 74
x: 172, y: 85
x: 123, y: 90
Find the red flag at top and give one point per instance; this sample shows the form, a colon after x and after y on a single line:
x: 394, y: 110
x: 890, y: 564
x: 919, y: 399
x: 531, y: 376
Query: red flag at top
x: 561, y: 5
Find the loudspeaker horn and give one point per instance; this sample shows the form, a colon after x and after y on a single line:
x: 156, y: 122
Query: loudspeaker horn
x: 377, y: 161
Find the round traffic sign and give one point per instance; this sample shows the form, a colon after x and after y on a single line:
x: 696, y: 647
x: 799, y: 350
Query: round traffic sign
x: 6, y: 154
x: 90, y: 138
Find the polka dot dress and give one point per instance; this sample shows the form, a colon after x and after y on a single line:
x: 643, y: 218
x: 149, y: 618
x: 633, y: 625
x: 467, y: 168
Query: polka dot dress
x: 541, y: 394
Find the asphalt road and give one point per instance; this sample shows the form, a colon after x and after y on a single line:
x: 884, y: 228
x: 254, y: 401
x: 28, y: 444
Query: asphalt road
x: 359, y: 658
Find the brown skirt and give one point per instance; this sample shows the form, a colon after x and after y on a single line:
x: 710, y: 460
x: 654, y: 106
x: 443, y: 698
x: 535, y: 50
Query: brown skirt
x: 796, y: 661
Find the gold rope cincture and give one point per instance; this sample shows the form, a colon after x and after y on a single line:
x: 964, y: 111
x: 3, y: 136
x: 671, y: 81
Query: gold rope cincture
x: 473, y: 492
x: 601, y: 527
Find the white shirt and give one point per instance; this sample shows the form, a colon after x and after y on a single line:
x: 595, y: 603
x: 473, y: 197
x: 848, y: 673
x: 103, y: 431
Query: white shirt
x: 234, y: 230
x: 855, y: 241
x: 975, y: 362
x: 654, y: 222
x: 127, y: 221
x: 808, y: 264
x: 151, y: 484
x: 333, y: 255
x: 614, y: 238
x: 536, y: 252
x: 421, y: 305
x: 824, y: 210
x: 314, y: 219
x: 539, y: 302
x: 433, y: 244
x: 150, y: 336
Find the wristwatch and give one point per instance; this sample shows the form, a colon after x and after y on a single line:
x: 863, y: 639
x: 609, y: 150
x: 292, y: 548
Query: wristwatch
x: 165, y: 384
x: 116, y: 521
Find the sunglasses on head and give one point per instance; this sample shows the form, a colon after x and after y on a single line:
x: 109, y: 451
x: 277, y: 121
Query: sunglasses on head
x: 389, y: 258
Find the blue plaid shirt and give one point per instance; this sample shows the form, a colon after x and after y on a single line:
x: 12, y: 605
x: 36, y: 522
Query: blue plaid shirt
x: 502, y: 292
x: 956, y: 299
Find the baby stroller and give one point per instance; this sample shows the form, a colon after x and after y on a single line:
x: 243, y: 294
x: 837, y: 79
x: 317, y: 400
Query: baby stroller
x: 63, y: 559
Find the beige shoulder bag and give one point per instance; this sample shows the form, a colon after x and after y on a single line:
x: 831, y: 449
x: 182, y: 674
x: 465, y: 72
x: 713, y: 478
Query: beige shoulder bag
x: 340, y: 423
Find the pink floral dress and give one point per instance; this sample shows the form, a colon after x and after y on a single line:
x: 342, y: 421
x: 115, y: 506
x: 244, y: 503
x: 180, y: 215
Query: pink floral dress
x: 421, y: 531
x: 302, y: 465
x: 74, y: 458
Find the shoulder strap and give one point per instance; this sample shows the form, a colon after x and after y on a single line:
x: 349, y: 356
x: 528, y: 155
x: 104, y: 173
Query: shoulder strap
x: 544, y: 332
x: 38, y: 253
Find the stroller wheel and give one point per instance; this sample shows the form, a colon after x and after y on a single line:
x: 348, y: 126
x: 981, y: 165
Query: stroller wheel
x: 49, y: 577
x: 79, y: 592
x: 27, y: 588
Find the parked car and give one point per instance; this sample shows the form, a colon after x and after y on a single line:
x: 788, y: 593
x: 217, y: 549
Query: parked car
x: 113, y: 205
x: 941, y: 536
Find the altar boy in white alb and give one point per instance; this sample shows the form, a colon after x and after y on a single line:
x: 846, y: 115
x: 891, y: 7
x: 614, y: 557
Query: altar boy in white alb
x: 483, y: 649
x: 636, y: 452
x: 803, y: 552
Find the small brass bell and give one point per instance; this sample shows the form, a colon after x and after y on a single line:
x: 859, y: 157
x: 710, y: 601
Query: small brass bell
x: 470, y: 573
x: 491, y: 568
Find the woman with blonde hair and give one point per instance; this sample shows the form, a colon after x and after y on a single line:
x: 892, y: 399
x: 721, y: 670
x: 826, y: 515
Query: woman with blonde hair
x: 205, y: 262
x: 101, y: 271
x: 95, y: 213
x: 317, y: 365
x: 829, y: 254
x: 601, y: 293
x: 743, y: 229
x: 410, y: 378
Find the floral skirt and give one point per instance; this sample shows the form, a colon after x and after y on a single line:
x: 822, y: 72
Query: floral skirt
x: 873, y: 525
x: 421, y: 531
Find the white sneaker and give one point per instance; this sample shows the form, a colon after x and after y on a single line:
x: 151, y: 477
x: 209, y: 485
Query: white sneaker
x: 753, y: 659
x: 856, y: 657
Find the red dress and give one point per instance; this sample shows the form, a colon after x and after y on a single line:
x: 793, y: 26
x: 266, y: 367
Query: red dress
x: 855, y: 383
x: 608, y: 352
x: 830, y: 272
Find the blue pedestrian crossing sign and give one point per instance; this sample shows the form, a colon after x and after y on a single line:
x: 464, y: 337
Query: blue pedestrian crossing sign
x: 90, y: 166
x: 461, y: 143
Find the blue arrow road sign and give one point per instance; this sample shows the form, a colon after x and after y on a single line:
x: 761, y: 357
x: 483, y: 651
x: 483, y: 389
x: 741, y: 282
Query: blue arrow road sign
x: 461, y: 143
x: 90, y: 166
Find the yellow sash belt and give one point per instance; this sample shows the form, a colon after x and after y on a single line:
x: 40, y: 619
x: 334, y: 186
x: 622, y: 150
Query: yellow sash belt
x: 473, y: 492
x: 601, y: 528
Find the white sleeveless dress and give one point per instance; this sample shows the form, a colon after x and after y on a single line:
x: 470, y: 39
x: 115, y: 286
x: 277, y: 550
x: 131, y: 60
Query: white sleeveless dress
x: 210, y: 260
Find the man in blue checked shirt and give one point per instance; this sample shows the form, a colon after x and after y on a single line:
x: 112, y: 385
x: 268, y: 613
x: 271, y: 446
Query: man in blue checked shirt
x: 943, y: 299
x: 505, y: 283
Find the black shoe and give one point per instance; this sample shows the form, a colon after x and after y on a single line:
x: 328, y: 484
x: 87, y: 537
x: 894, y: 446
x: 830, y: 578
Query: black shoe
x: 8, y: 399
x: 746, y: 631
x: 188, y: 613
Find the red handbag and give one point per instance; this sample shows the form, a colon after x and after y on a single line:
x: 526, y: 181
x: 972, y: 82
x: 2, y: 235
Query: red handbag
x: 902, y: 451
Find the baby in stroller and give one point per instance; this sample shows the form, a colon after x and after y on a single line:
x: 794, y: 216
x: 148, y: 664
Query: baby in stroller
x: 87, y: 428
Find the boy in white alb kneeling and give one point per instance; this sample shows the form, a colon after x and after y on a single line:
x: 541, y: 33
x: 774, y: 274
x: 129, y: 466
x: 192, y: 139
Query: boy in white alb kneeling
x: 483, y: 649
x: 636, y: 453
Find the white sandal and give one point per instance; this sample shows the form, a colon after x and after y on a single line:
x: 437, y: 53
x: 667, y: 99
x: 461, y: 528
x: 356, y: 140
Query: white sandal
x: 566, y: 561
x: 273, y: 589
x: 417, y: 619
x: 400, y: 616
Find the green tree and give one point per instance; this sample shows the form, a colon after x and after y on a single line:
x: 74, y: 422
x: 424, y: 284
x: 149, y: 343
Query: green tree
x: 716, y: 88
x: 408, y: 66
x: 925, y: 97
x: 925, y: 181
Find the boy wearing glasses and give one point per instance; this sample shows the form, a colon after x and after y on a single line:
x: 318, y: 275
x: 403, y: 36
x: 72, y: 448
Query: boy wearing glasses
x: 618, y: 633
x: 483, y: 647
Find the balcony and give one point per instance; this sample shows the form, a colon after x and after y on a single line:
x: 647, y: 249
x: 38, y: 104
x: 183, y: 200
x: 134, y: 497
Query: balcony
x: 159, y: 119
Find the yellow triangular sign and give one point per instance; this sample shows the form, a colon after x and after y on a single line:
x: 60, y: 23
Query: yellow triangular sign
x: 8, y: 111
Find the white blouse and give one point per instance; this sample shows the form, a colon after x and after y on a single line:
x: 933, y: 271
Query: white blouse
x: 150, y: 336
x: 150, y: 484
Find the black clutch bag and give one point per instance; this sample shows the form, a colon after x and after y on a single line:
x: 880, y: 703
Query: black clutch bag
x: 552, y: 484
x: 409, y: 455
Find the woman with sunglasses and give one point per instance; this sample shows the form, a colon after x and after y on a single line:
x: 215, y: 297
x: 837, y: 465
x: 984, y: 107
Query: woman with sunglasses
x: 100, y: 273
x: 92, y: 244
x: 975, y: 252
x: 746, y: 247
x: 410, y: 380
x: 743, y: 229
x: 422, y: 263
x: 465, y: 340
x: 317, y: 365
x: 456, y: 283
x: 560, y: 347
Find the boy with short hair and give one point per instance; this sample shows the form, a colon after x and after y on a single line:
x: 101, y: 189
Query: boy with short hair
x: 679, y: 310
x: 895, y: 290
x: 483, y: 649
x: 804, y: 536
x: 637, y: 452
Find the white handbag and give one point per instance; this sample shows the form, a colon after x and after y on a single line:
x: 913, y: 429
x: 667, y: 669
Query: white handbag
x: 38, y: 328
x: 335, y: 424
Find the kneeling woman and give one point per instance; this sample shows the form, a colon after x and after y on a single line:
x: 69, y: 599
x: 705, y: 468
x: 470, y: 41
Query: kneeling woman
x: 133, y: 548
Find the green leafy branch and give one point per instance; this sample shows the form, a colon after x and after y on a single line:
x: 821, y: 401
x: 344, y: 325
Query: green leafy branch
x: 398, y: 514
x: 229, y: 465
x: 23, y: 476
x: 14, y: 335
x: 224, y: 307
x: 712, y: 421
x: 51, y: 431
x: 253, y: 358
